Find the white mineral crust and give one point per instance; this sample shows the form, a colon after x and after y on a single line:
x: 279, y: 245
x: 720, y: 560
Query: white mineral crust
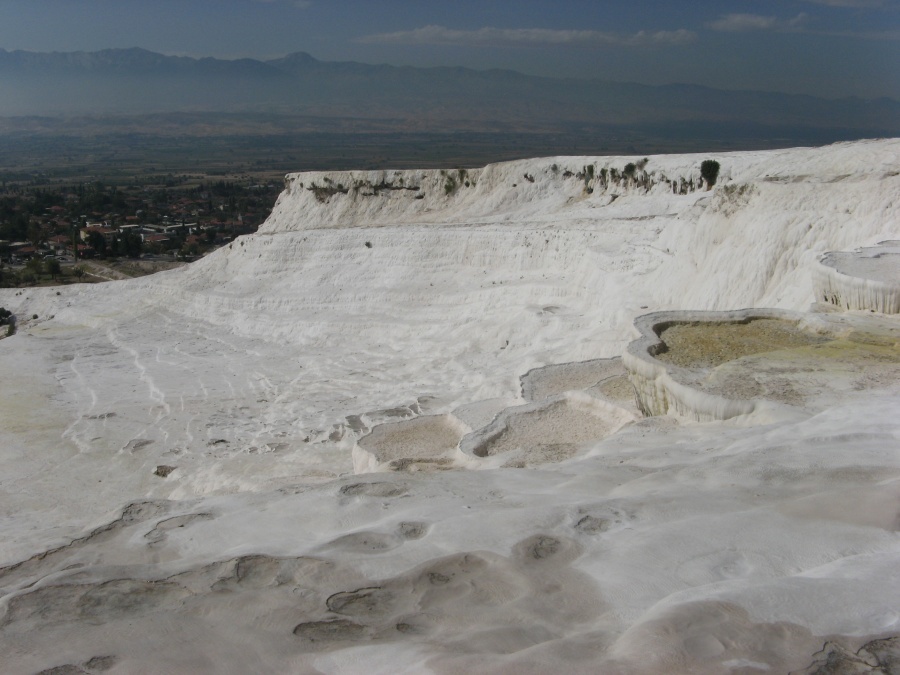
x: 371, y: 298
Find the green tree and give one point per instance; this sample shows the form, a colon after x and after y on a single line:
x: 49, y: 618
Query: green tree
x: 36, y: 235
x: 35, y: 265
x: 130, y: 244
x: 97, y: 242
x: 9, y: 278
x: 52, y: 267
x: 709, y: 171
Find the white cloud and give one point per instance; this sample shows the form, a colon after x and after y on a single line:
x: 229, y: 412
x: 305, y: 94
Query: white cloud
x: 754, y: 22
x: 748, y: 22
x: 440, y: 35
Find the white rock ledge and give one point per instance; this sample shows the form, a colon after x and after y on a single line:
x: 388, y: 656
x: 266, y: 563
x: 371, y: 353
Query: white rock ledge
x: 663, y: 388
x: 866, y: 279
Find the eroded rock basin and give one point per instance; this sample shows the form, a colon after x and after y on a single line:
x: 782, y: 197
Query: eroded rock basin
x: 800, y: 375
x: 718, y: 365
x: 710, y: 344
x: 420, y: 444
x: 552, y: 430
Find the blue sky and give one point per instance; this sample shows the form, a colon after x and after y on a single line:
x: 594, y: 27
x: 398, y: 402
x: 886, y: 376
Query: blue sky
x: 828, y: 48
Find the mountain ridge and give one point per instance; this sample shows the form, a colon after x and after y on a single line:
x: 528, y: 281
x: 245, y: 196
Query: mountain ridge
x: 136, y: 80
x: 306, y: 59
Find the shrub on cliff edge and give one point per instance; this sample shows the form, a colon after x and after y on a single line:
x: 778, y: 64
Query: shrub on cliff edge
x: 709, y: 171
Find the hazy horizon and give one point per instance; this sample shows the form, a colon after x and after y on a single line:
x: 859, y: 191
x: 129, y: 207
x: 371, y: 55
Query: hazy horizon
x: 586, y: 77
x: 826, y: 48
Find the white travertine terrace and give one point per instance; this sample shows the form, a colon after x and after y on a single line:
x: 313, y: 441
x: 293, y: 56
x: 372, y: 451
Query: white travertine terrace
x: 419, y: 444
x: 867, y: 279
x: 770, y: 380
x: 545, y: 431
x: 662, y: 388
x: 766, y: 542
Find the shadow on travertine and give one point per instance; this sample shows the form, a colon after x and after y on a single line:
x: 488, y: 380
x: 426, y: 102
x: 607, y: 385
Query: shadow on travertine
x: 467, y: 602
x: 524, y: 610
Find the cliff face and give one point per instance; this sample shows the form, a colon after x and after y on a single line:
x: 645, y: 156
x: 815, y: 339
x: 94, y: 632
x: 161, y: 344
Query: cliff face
x: 555, y: 188
x: 482, y: 254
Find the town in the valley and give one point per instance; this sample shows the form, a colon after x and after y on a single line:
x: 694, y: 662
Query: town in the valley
x: 52, y: 233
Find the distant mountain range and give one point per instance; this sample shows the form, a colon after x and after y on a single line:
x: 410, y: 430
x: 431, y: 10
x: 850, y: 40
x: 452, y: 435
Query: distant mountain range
x: 137, y: 81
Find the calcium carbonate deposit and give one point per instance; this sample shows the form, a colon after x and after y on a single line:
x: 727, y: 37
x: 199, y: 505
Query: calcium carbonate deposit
x: 391, y: 433
x: 868, y: 278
